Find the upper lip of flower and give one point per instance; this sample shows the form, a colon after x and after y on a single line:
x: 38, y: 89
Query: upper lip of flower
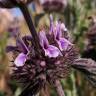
x: 22, y: 57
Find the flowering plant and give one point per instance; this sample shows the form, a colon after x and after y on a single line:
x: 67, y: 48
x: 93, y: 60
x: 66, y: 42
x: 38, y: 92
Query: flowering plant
x: 58, y: 56
x: 46, y: 57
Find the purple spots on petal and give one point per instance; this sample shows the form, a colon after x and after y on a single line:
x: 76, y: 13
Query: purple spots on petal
x: 20, y: 59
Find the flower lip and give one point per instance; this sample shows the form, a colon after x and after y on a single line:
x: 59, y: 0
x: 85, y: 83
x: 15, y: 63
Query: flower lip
x: 50, y: 50
x: 20, y: 59
x: 63, y: 43
x: 57, y: 31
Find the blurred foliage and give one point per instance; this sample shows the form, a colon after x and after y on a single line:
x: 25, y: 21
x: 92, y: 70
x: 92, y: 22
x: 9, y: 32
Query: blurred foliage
x: 75, y: 17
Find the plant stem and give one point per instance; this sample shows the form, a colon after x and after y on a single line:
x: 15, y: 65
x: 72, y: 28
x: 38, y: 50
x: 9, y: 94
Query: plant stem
x: 59, y: 88
x: 29, y: 22
x: 28, y: 18
x: 45, y: 91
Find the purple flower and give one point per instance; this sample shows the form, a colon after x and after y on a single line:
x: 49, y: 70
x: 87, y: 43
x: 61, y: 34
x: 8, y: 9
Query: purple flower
x: 62, y: 42
x: 57, y: 31
x: 23, y: 52
x: 20, y: 59
x: 50, y: 50
x: 47, y: 61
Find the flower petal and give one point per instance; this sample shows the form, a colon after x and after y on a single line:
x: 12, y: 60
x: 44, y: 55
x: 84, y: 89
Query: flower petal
x: 63, y: 44
x: 58, y: 32
x: 51, y: 24
x: 52, y: 51
x: 21, y: 45
x: 43, y: 39
x: 20, y: 60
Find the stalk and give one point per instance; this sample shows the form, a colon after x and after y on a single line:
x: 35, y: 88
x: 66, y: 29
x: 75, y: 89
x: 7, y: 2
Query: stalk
x: 29, y: 22
x: 59, y: 88
x: 45, y: 91
x: 28, y: 19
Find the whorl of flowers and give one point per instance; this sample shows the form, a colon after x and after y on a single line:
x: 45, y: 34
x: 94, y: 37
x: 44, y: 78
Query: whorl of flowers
x: 59, y: 54
x: 46, y: 57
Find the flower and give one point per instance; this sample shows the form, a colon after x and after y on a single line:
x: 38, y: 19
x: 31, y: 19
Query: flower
x: 57, y: 31
x: 62, y: 42
x: 50, y: 50
x: 20, y: 59
x: 59, y: 57
x: 23, y: 49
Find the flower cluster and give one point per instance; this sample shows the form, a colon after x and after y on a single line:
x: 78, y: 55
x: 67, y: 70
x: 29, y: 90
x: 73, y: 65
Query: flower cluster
x: 59, y: 55
x: 54, y: 44
x: 45, y: 57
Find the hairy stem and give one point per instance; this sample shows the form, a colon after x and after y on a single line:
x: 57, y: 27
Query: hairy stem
x: 59, y: 88
x: 45, y: 91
